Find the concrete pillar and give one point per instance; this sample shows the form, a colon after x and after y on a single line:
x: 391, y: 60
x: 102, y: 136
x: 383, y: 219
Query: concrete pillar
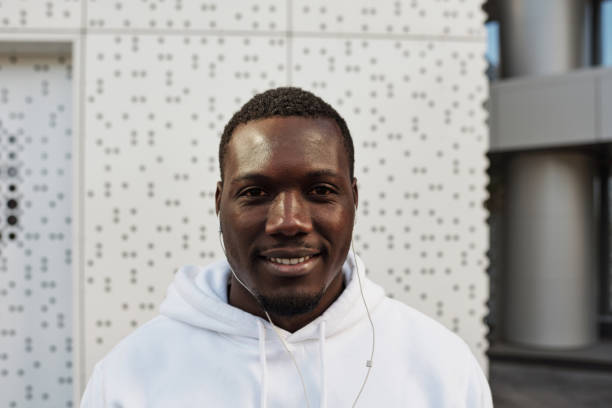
x: 540, y: 37
x: 551, y: 296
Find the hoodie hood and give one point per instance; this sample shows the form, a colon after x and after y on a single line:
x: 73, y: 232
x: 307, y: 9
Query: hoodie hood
x: 198, y: 297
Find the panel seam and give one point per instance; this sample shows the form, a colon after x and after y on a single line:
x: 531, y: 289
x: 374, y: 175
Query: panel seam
x: 289, y: 39
x: 242, y: 33
x: 81, y: 134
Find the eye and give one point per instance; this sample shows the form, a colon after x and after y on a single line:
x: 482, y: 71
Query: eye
x: 253, y: 192
x: 322, y: 190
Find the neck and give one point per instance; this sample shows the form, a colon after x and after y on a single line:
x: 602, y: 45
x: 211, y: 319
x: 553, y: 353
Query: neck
x: 241, y: 298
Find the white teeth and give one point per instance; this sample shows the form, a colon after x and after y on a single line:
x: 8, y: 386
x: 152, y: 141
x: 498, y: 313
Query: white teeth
x: 290, y: 261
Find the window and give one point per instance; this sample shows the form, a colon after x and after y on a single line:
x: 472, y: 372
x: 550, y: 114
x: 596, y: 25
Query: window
x: 492, y: 53
x: 606, y: 32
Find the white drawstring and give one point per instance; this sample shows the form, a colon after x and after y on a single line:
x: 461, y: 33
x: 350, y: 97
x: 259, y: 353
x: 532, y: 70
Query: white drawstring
x: 286, y: 346
x: 322, y: 363
x: 264, y: 368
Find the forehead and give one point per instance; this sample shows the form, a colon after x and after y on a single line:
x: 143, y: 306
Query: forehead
x: 286, y: 144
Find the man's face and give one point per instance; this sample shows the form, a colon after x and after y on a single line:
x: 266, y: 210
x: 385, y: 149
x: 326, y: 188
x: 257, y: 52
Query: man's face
x: 287, y: 205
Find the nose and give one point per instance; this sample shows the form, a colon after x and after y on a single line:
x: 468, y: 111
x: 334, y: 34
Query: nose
x: 288, y: 215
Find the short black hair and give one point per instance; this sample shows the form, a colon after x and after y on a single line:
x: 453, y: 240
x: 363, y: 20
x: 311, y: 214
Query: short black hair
x: 286, y: 101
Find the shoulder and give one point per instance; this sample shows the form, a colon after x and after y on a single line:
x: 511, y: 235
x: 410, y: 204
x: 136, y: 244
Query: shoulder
x: 154, y: 338
x: 422, y: 337
x: 404, y: 317
x: 131, y: 365
x: 437, y: 355
x: 127, y: 363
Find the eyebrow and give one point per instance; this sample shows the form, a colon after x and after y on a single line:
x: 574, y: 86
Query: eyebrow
x: 260, y: 177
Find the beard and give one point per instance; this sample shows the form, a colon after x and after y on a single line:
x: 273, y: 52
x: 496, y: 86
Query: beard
x: 290, y: 305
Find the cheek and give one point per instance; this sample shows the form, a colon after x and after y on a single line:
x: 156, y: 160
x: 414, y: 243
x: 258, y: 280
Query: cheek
x: 236, y: 253
x: 240, y: 232
x: 338, y: 230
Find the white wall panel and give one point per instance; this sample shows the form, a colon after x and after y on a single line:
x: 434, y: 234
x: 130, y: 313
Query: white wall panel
x: 156, y: 107
x: 406, y: 17
x: 253, y: 15
x: 420, y: 138
x: 37, y: 14
x: 35, y: 227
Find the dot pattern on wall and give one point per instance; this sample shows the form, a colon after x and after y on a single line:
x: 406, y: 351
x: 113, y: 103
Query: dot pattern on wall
x: 28, y: 14
x: 446, y: 18
x: 420, y: 139
x: 252, y: 15
x: 35, y: 226
x: 155, y: 109
x: 456, y: 18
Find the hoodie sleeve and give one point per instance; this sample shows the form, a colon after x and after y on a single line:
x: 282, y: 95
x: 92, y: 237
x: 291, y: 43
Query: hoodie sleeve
x: 478, y: 391
x: 94, y: 397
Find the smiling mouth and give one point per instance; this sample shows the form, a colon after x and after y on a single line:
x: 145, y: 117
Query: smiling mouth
x: 289, y: 261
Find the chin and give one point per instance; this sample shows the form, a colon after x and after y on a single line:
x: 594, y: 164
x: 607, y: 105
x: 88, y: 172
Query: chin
x: 290, y: 304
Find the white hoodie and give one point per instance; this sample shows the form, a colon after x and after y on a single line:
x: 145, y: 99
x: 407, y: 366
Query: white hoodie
x: 202, y: 352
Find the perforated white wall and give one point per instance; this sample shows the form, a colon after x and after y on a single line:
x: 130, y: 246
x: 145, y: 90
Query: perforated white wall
x: 36, y: 15
x: 163, y: 77
x: 35, y: 227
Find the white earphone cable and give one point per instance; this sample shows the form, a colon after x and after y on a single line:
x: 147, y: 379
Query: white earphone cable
x: 370, y: 362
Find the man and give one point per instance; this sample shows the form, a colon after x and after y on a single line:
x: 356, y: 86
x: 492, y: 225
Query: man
x: 285, y: 320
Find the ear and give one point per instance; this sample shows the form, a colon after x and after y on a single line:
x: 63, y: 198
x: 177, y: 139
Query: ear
x: 355, y: 192
x: 218, y: 194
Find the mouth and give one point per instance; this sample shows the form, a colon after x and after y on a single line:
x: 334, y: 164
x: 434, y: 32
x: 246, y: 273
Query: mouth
x: 290, y: 263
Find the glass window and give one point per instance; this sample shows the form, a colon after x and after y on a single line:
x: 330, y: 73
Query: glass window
x: 606, y: 33
x: 492, y: 53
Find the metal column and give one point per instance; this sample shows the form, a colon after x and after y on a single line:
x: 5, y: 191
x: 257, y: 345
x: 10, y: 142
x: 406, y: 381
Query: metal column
x: 550, y: 288
x: 550, y: 292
